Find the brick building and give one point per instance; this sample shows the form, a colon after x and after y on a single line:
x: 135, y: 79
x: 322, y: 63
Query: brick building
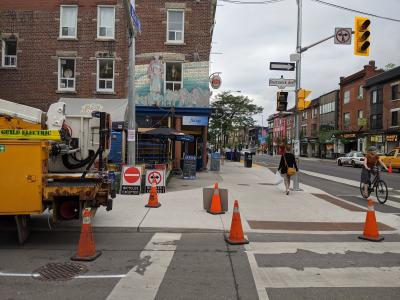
x: 311, y: 132
x: 383, y: 98
x: 172, y: 71
x: 328, y: 124
x: 64, y: 48
x: 353, y: 113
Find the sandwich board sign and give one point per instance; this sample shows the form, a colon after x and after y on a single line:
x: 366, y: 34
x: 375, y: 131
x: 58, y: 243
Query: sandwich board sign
x: 158, y: 177
x: 131, y: 180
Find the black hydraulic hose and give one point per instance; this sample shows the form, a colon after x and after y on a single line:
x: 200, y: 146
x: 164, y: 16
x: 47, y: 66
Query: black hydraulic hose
x: 80, y: 164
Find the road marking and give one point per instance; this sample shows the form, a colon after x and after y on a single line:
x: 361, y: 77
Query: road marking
x: 258, y: 280
x: 323, y: 248
x: 334, y: 277
x: 144, y: 280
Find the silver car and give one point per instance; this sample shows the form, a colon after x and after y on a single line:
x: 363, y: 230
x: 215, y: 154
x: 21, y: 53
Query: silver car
x: 353, y: 158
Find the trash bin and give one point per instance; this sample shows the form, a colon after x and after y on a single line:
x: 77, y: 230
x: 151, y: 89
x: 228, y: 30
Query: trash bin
x: 229, y: 155
x: 215, y: 162
x: 248, y: 160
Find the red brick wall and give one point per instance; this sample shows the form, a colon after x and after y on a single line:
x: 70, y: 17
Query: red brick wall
x: 352, y: 83
x: 197, y: 30
x: 36, y: 23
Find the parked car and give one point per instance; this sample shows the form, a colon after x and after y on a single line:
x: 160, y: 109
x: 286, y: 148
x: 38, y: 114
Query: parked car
x: 353, y: 158
x: 392, y: 158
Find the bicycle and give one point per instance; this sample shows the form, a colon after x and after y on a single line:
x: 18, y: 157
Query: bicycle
x: 378, y: 184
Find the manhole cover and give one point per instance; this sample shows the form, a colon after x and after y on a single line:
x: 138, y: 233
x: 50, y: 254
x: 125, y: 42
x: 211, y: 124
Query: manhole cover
x: 59, y: 271
x: 244, y: 184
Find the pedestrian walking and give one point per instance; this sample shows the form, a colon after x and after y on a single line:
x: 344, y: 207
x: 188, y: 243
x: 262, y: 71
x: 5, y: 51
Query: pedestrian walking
x: 287, y: 166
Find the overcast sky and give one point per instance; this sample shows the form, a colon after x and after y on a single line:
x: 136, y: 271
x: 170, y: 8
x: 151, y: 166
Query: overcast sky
x: 251, y: 36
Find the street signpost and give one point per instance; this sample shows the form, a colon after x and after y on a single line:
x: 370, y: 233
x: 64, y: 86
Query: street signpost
x: 282, y: 82
x: 343, y: 36
x: 282, y: 66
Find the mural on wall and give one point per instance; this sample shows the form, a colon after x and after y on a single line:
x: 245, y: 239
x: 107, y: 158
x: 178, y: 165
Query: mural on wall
x: 191, y: 90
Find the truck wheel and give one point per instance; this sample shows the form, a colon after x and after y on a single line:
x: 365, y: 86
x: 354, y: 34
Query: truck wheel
x: 23, y: 227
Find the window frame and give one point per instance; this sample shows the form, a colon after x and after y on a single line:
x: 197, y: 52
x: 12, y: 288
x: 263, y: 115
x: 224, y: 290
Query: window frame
x: 59, y: 76
x: 3, y: 55
x: 98, y: 22
x: 60, y: 35
x: 165, y: 76
x: 183, y: 27
x: 393, y: 86
x: 344, y: 118
x: 362, y: 114
x: 360, y: 95
x: 344, y: 97
x: 105, y: 90
x: 394, y: 112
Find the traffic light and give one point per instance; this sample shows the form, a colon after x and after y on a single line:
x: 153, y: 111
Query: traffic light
x: 281, y: 101
x: 302, y: 103
x: 361, y: 36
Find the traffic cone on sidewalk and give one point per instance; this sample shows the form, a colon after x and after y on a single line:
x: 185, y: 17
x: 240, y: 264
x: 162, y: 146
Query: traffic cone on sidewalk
x: 86, y: 248
x: 390, y: 169
x: 236, y: 236
x: 371, y: 227
x: 153, y: 198
x: 215, y: 205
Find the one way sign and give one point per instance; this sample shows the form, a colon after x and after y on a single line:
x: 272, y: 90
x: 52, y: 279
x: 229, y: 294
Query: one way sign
x: 282, y: 66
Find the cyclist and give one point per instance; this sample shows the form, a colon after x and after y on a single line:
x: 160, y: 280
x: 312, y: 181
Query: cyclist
x: 371, y: 161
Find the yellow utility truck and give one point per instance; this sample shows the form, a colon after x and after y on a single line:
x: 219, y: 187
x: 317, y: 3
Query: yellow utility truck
x: 50, y: 162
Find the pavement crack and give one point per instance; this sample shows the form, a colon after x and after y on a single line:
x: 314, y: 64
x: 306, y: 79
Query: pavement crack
x: 141, y: 221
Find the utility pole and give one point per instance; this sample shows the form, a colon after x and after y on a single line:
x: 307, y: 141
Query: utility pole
x: 131, y: 140
x: 296, y: 186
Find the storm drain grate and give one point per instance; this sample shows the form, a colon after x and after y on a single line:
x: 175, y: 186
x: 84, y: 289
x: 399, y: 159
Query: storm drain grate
x: 59, y: 271
x: 244, y: 184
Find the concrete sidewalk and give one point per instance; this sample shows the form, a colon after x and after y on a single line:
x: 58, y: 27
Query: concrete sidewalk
x: 264, y: 207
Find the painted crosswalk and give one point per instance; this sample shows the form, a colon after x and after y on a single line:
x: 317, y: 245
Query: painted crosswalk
x: 319, y: 266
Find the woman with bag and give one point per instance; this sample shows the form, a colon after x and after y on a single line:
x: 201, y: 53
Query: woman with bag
x: 287, y: 166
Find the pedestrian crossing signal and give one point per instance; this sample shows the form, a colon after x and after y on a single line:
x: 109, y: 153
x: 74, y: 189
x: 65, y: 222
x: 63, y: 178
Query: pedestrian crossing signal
x: 302, y: 103
x: 281, y: 101
x: 361, y: 36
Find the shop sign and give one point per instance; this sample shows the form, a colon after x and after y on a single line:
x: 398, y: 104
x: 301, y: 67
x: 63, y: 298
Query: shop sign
x: 362, y: 122
x: 391, y: 138
x: 215, y: 81
x: 349, y: 135
x: 195, y: 120
x: 376, y: 138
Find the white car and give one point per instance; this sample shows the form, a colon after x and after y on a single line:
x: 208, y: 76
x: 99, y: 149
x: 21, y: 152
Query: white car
x: 353, y: 158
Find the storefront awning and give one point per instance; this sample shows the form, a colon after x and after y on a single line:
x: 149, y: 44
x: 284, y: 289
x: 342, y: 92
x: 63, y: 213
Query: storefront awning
x: 164, y: 132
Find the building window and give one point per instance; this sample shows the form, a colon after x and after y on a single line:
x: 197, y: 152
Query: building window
x: 395, y: 92
x: 395, y: 118
x: 346, y: 119
x: 9, y: 53
x: 66, y: 74
x: 376, y: 122
x: 68, y: 21
x: 106, y: 22
x: 173, y: 76
x: 105, y: 75
x: 360, y: 92
x: 304, y: 115
x: 314, y: 112
x: 175, y: 26
x: 346, y: 97
x: 360, y: 114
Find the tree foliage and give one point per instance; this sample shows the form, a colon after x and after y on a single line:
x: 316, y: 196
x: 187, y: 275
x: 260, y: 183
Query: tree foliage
x: 233, y: 113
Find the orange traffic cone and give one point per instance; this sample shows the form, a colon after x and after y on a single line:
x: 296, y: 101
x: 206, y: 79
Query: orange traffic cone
x: 86, y: 248
x: 371, y: 228
x: 390, y: 169
x: 236, y: 236
x: 153, y: 198
x: 215, y: 205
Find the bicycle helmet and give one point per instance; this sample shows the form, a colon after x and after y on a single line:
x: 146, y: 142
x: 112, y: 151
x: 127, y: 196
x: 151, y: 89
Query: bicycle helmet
x: 372, y: 149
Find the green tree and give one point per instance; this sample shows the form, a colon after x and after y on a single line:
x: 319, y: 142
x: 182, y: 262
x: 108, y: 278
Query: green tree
x: 389, y: 66
x: 232, y: 113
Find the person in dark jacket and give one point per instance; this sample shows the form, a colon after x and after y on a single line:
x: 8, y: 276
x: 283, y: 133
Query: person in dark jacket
x: 287, y: 160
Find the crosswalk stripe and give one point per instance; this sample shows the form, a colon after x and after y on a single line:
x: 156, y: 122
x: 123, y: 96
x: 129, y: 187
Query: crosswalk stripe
x: 258, y: 280
x: 334, y: 277
x: 143, y: 280
x: 323, y: 248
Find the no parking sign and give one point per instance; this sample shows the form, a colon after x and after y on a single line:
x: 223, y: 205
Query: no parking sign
x: 158, y: 177
x: 131, y: 180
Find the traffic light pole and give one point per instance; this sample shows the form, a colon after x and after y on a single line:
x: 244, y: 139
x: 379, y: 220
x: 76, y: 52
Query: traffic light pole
x: 296, y: 181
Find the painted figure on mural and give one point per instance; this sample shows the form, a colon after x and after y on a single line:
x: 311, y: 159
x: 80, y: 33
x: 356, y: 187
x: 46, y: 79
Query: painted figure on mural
x: 154, y: 72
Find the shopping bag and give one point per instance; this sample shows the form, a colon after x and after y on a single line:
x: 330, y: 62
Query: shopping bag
x: 278, y: 178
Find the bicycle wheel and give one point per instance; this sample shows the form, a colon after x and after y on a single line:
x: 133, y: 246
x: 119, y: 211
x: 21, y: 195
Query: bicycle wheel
x: 362, y: 191
x: 381, y: 191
